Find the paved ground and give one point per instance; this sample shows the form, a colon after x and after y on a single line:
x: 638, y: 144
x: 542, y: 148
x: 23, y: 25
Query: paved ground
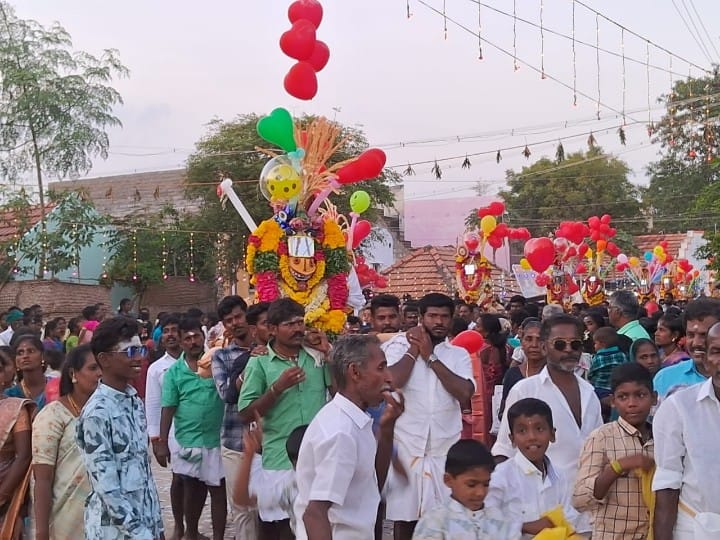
x: 163, y: 478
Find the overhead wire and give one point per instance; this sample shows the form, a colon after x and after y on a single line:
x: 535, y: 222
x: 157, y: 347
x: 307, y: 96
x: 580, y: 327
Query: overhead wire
x: 692, y: 34
x: 707, y: 34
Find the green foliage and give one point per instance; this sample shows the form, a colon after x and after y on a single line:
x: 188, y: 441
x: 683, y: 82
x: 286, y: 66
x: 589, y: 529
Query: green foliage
x: 587, y: 183
x: 55, y: 103
x: 228, y: 149
x: 688, y: 136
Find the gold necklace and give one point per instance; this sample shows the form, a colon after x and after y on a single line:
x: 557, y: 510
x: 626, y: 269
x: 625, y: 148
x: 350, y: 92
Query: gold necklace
x: 25, y: 389
x: 73, y: 405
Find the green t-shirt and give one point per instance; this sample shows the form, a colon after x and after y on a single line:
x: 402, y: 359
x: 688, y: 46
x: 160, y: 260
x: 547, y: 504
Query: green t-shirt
x: 199, y: 414
x: 296, y: 406
x: 70, y: 343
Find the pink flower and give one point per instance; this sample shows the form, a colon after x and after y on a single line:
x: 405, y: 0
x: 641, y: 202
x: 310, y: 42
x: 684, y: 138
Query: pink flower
x: 254, y: 240
x: 337, y: 291
x: 267, y: 286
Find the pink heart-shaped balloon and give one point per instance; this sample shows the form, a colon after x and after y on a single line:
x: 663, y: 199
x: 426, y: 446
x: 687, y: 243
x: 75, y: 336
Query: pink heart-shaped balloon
x: 299, y: 41
x: 301, y: 81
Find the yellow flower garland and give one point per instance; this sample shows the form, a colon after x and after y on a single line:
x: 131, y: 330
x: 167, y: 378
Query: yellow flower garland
x: 334, y: 237
x: 290, y: 280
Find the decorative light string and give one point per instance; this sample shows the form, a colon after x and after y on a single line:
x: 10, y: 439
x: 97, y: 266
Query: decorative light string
x: 480, y: 51
x: 164, y: 255
x: 597, y: 60
x: 647, y: 73
x: 624, y: 86
x: 542, y: 42
x: 134, y: 255
x: 574, y: 58
x: 445, y: 21
x: 192, y: 257
x: 515, y: 63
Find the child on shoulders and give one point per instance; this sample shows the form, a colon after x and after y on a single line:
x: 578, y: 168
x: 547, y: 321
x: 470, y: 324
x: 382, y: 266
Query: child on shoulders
x: 468, y: 467
x: 607, y: 356
x: 527, y: 487
x: 616, y: 463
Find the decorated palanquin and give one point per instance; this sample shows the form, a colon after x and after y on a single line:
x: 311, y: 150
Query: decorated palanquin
x: 304, y: 250
x: 473, y: 273
x: 593, y: 290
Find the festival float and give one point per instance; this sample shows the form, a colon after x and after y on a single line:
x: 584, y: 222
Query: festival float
x: 473, y: 271
x: 305, y: 250
x: 647, y: 275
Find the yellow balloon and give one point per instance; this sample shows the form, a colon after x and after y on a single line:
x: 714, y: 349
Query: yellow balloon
x: 589, y: 254
x: 658, y: 250
x: 633, y: 261
x: 488, y: 224
x: 525, y: 264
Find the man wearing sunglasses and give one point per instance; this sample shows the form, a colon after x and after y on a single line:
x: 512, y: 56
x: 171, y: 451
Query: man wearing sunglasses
x: 575, y: 407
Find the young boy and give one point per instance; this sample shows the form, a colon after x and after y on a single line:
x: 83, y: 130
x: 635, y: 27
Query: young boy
x: 607, y: 356
x: 527, y: 486
x: 614, y: 457
x: 251, y: 489
x: 467, y: 473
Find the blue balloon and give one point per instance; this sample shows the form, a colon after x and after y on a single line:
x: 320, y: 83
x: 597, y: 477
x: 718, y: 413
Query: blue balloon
x: 648, y: 256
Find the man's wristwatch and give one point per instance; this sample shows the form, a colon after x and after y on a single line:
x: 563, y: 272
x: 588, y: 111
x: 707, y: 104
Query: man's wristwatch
x: 432, y: 358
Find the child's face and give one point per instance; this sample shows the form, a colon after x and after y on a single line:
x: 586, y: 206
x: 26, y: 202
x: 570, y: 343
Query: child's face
x: 532, y: 435
x: 470, y: 488
x: 647, y: 356
x: 633, y: 402
x: 598, y: 345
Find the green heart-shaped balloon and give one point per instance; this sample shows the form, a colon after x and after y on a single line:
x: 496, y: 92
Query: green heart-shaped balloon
x: 277, y: 128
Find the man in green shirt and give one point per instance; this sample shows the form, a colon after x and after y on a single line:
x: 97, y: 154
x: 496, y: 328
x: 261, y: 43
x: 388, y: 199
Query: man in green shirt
x: 195, y: 406
x: 623, y: 315
x: 287, y: 387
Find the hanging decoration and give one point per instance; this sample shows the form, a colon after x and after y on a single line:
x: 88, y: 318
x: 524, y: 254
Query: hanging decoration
x: 134, y: 255
x: 466, y: 163
x: 436, y: 171
x: 560, y: 153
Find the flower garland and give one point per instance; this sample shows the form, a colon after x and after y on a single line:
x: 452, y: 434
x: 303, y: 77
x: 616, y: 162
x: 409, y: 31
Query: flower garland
x: 267, y: 261
x: 470, y: 289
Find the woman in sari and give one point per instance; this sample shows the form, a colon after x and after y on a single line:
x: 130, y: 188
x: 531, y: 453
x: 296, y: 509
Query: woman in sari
x: 61, y: 483
x: 15, y: 454
x: 30, y: 365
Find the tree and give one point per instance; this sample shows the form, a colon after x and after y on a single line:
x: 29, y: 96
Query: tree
x: 229, y: 148
x: 689, y: 145
x: 55, y: 103
x: 585, y: 184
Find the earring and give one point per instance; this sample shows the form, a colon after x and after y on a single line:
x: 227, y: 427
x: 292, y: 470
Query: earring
x: 74, y: 380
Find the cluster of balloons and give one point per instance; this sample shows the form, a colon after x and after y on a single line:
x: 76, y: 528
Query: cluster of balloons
x: 301, y: 43
x: 493, y: 232
x: 359, y: 230
x: 367, y: 276
x: 654, y: 259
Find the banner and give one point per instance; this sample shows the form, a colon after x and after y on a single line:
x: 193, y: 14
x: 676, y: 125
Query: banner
x: 526, y: 282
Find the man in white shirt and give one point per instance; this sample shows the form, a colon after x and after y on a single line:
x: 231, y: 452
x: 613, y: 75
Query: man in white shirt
x: 341, y: 467
x: 170, y: 340
x: 437, y: 380
x: 14, y: 320
x: 686, y: 430
x: 575, y: 407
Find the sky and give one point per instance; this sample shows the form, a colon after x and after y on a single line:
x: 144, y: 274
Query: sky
x: 417, y: 90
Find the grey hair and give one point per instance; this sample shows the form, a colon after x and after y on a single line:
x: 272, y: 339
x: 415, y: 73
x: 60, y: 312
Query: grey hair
x: 348, y: 350
x: 551, y: 310
x: 626, y: 302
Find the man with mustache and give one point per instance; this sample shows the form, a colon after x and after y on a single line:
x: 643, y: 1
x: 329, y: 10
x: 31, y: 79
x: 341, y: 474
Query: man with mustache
x: 576, y: 408
x: 436, y: 378
x: 385, y: 314
x: 287, y: 387
x: 170, y: 341
x: 197, y: 410
x: 699, y: 316
x: 228, y: 366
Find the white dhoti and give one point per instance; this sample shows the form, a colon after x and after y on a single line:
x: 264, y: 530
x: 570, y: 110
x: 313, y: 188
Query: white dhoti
x: 424, y: 488
x: 691, y: 525
x: 204, y: 464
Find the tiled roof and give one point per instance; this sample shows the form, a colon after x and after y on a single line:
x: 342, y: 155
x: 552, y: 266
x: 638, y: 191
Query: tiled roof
x: 12, y: 225
x: 648, y: 241
x: 432, y: 269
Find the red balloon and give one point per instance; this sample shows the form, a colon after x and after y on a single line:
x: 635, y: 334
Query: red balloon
x: 306, y: 9
x: 360, y: 232
x: 595, y: 235
x: 299, y: 41
x: 368, y: 165
x: 594, y: 222
x: 621, y: 267
x: 381, y: 282
x: 612, y: 249
x: 320, y: 56
x: 604, y: 228
x: 301, y: 81
x: 542, y: 280
x: 525, y: 234
x: 472, y: 241
x: 496, y: 208
x: 572, y: 287
x: 540, y: 253
x: 571, y: 252
x: 664, y: 244
x: 495, y: 242
x: 502, y: 230
x: 582, y: 249
x: 605, y: 219
x: 470, y: 340
x: 669, y: 259
x: 482, y: 212
x: 581, y: 269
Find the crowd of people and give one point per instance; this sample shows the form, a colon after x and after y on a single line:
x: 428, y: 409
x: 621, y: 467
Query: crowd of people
x: 599, y: 423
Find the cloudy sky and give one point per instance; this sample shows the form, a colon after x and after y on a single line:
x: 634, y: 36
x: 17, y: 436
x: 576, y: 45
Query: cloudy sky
x: 417, y: 91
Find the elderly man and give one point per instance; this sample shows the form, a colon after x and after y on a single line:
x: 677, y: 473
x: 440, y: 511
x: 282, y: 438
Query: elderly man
x: 437, y: 379
x: 686, y: 429
x: 341, y: 468
x: 623, y: 315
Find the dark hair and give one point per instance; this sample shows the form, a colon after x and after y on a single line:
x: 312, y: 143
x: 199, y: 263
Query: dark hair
x: 253, y: 312
x: 90, y: 312
x: 284, y: 309
x: 17, y: 339
x: 495, y: 336
x: 51, y: 326
x: 348, y: 350
x: 557, y: 320
x: 229, y: 303
x: 518, y: 317
x: 649, y: 324
x: 468, y: 454
x: 410, y: 305
x: 384, y: 301
x: 631, y: 372
x: 293, y: 442
x: 75, y: 361
x: 6, y: 356
x: 607, y: 335
x: 458, y: 325
x: 189, y: 324
x: 194, y: 313
x: 170, y: 318
x: 529, y: 407
x: 637, y: 344
x: 626, y: 302
x: 533, y: 309
x: 125, y: 301
x: 673, y: 323
x: 597, y: 317
x: 352, y: 319
x: 112, y: 331
x: 701, y: 308
x: 436, y: 300
x: 53, y: 358
x: 517, y: 298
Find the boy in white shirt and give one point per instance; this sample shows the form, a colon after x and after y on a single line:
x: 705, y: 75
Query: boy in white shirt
x: 467, y: 473
x: 527, y: 486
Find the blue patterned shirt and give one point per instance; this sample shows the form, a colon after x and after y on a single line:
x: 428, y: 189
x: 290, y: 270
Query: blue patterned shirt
x: 113, y: 441
x: 222, y: 363
x: 452, y: 521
